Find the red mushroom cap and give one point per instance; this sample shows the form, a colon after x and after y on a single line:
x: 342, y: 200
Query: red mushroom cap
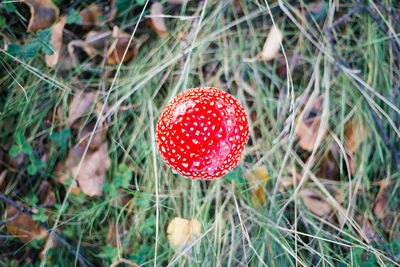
x: 202, y: 132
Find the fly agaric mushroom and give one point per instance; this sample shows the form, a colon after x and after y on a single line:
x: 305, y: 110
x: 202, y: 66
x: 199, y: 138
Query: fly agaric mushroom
x: 202, y: 132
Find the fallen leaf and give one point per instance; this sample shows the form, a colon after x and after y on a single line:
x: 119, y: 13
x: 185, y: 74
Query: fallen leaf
x: 122, y: 260
x: 258, y: 178
x: 272, y: 44
x: 354, y: 134
x: 380, y: 209
x: 329, y: 167
x: 24, y: 227
x: 98, y: 137
x: 63, y: 171
x: 46, y: 195
x: 56, y: 41
x: 87, y: 48
x: 43, y: 14
x: 90, y: 17
x: 92, y: 175
x: 2, y: 177
x: 181, y: 231
x: 112, y: 236
x: 98, y: 39
x: 156, y: 21
x: 307, y: 131
x: 79, y: 105
x: 315, y: 202
x: 118, y: 47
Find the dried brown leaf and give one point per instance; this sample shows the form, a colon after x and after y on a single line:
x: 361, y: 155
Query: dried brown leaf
x: 98, y: 39
x: 43, y: 14
x: 315, y: 202
x: 272, y: 44
x: 2, y: 177
x: 181, y: 231
x: 307, y: 132
x: 79, y: 105
x: 98, y: 137
x: 46, y: 194
x: 380, y: 209
x: 90, y: 17
x: 56, y: 41
x: 156, y: 21
x: 24, y: 227
x: 122, y: 260
x: 92, y: 175
x: 117, y: 50
x: 87, y: 48
x: 64, y: 170
x: 354, y: 134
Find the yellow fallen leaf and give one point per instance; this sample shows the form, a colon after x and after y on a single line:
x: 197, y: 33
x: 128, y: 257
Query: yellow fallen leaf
x: 272, y: 44
x: 24, y: 227
x: 181, y: 231
x: 43, y: 14
x: 258, y: 178
x: 156, y: 21
x: 56, y: 41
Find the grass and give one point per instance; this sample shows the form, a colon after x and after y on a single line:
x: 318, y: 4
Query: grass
x: 222, y: 43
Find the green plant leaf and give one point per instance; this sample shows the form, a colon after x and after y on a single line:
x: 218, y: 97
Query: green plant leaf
x: 27, y: 149
x: 14, y: 50
x: 31, y: 49
x: 14, y: 151
x: 74, y: 17
x: 20, y: 138
x: 3, y: 23
x: 32, y: 169
x: 40, y: 216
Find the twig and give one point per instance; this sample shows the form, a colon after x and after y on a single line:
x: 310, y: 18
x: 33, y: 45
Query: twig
x: 22, y: 209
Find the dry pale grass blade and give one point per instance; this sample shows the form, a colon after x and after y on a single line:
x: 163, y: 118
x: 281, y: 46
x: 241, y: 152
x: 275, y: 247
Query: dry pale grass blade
x: 181, y: 231
x: 272, y: 44
x: 156, y: 21
x: 24, y: 227
x: 80, y: 105
x: 43, y: 14
x: 56, y: 41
